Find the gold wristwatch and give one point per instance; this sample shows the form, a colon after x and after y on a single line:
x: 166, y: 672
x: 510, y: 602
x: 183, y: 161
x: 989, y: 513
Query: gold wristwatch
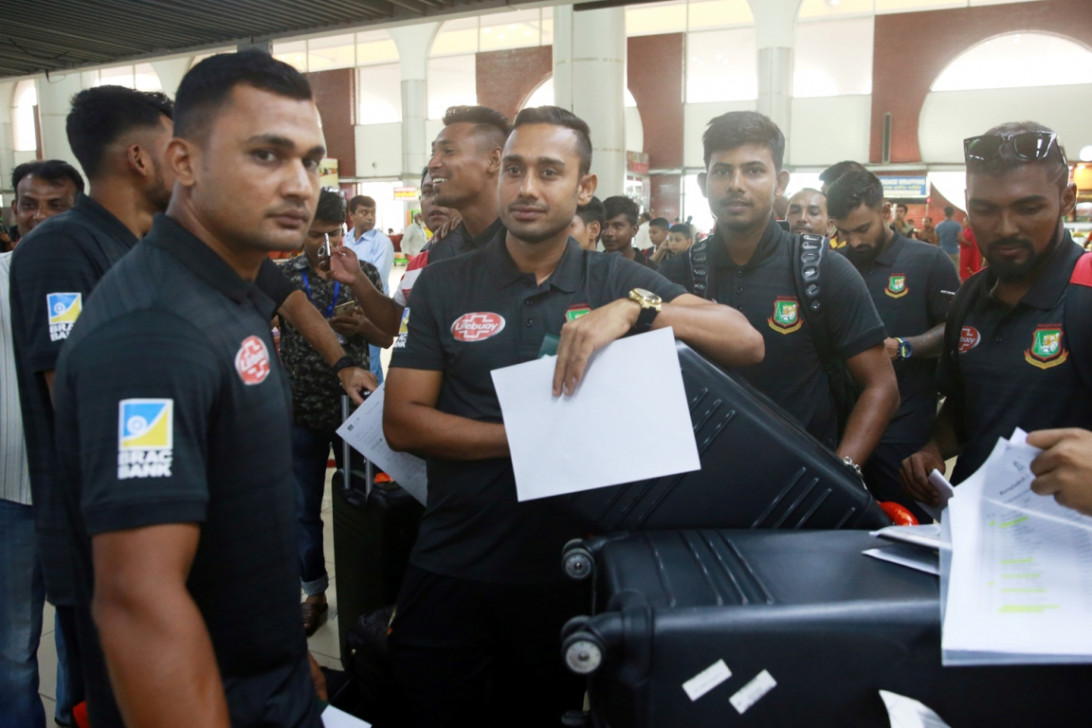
x: 650, y: 303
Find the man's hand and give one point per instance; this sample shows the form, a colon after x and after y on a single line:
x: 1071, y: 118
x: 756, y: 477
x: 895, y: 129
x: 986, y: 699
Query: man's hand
x: 349, y: 324
x: 447, y: 227
x: 344, y: 265
x: 356, y: 381
x: 914, y: 474
x: 891, y: 346
x: 582, y: 337
x: 317, y: 678
x: 1064, y: 468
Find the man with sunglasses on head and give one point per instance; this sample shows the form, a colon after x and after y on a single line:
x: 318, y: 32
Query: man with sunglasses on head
x: 1017, y: 342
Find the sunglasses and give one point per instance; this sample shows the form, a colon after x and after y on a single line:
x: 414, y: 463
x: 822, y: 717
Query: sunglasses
x: 1029, y: 146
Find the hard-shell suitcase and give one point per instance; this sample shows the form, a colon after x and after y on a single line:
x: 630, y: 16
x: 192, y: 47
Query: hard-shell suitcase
x: 375, y: 526
x: 759, y: 469
x: 804, y: 610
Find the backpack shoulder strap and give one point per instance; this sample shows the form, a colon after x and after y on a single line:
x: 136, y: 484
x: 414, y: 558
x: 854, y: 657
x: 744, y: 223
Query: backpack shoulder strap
x: 807, y: 257
x: 698, y: 257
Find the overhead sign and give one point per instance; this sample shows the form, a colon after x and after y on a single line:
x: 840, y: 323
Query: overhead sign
x: 905, y: 187
x: 405, y: 193
x: 637, y: 162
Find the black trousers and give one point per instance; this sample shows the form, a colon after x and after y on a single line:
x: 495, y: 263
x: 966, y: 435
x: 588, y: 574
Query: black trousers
x: 881, y: 475
x: 470, y: 653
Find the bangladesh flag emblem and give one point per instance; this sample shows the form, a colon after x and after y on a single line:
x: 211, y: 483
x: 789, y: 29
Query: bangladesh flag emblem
x: 575, y: 312
x: 786, y: 316
x: 1046, y: 347
x: 896, y: 286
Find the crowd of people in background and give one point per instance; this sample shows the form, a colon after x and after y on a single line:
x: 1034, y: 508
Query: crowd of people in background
x: 169, y: 499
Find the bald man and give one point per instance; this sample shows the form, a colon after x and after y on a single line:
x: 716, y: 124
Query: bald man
x: 808, y: 212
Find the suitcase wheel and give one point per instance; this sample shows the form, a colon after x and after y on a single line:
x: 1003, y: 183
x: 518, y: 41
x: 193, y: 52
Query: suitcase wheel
x: 583, y: 652
x: 576, y: 560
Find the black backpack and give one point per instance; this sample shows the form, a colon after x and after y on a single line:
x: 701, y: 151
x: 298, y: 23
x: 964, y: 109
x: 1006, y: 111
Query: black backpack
x: 807, y: 255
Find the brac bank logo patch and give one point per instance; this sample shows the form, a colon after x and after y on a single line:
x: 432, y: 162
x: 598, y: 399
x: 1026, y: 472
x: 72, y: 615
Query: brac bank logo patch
x: 477, y: 326
x: 64, y: 309
x: 145, y: 438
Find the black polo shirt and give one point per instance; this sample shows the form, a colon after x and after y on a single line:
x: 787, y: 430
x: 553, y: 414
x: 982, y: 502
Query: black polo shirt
x: 173, y: 408
x: 470, y: 315
x: 274, y: 283
x: 1015, y: 367
x: 459, y: 241
x: 53, y: 271
x: 792, y: 372
x: 912, y: 284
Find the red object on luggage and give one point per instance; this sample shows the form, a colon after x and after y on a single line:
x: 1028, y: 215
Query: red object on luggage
x: 79, y: 714
x: 899, y: 514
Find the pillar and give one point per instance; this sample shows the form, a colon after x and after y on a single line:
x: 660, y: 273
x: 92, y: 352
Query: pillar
x: 413, y: 44
x: 775, y: 30
x: 55, y: 92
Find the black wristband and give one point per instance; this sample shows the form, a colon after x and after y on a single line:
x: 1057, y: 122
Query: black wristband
x: 342, y: 363
x: 645, y: 319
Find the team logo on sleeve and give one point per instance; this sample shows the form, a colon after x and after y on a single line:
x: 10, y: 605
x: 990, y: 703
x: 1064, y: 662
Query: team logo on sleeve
x: 403, y: 331
x: 896, y: 286
x: 1046, y: 347
x: 575, y: 312
x: 64, y: 309
x: 786, y: 316
x: 252, y: 361
x: 477, y: 326
x: 145, y: 438
x: 968, y: 339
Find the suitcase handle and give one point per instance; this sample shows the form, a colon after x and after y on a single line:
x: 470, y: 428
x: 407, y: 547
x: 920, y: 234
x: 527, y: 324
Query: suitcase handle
x: 347, y: 470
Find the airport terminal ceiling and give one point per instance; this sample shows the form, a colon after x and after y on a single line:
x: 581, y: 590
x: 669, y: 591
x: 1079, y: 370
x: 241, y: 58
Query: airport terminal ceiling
x: 44, y: 37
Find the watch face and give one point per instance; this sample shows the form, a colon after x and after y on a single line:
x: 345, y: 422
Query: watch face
x: 648, y: 296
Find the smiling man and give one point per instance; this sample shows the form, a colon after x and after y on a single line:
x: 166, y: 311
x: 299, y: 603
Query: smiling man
x: 475, y: 636
x: 177, y: 458
x: 43, y: 189
x: 750, y: 267
x: 1017, y: 350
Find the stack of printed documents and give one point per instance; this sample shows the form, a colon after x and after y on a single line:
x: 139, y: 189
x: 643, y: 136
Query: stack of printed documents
x: 1016, y: 585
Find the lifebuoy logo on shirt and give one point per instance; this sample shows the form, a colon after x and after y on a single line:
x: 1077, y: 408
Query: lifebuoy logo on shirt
x: 252, y: 361
x: 145, y: 438
x: 64, y: 309
x: 477, y: 326
x: 968, y: 339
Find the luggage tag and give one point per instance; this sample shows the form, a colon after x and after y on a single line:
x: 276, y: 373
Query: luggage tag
x: 549, y: 345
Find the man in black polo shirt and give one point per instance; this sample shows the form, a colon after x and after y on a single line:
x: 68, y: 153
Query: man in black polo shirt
x: 1018, y: 347
x: 750, y: 267
x: 476, y: 635
x: 174, y: 420
x: 463, y: 169
x: 911, y: 284
x: 119, y: 136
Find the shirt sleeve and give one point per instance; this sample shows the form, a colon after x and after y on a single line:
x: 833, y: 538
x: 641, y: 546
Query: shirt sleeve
x: 943, y: 283
x: 418, y: 345
x: 141, y: 423
x: 52, y: 277
x: 851, y: 315
x: 273, y: 282
x: 677, y: 269
x: 384, y: 259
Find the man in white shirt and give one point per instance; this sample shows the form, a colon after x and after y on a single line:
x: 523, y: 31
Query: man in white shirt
x: 371, y: 246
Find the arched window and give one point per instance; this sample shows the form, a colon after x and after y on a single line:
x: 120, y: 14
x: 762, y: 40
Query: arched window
x: 141, y: 77
x: 1017, y: 60
x: 24, y: 103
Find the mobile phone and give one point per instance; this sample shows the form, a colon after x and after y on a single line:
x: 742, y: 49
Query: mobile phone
x: 344, y: 309
x: 324, y: 253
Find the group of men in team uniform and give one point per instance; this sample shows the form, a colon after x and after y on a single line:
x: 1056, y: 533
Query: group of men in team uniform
x: 159, y: 417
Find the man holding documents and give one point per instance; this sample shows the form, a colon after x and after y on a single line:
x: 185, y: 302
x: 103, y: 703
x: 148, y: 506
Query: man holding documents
x: 1016, y: 347
x: 477, y: 622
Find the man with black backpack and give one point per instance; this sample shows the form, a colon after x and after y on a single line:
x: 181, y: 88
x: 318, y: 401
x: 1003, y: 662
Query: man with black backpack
x: 1017, y: 344
x: 911, y: 283
x: 811, y: 306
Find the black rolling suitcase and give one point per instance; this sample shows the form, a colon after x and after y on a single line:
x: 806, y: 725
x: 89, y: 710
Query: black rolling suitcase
x: 804, y: 610
x: 759, y: 469
x: 374, y: 530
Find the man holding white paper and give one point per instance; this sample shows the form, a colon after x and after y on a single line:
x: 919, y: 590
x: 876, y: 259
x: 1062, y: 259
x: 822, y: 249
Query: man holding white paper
x: 477, y: 621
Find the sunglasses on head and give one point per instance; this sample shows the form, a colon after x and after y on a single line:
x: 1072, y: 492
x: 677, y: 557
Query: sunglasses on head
x: 1029, y: 146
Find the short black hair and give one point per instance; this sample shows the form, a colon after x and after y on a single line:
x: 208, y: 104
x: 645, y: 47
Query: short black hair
x: 683, y: 229
x: 949, y: 211
x: 360, y: 201
x: 902, y: 206
x: 101, y: 115
x: 490, y: 122
x: 736, y: 128
x: 852, y: 190
x: 53, y: 171
x: 831, y: 174
x: 558, y: 116
x: 331, y: 206
x: 1006, y: 160
x: 620, y: 205
x: 208, y: 85
x: 592, y: 212
x: 660, y: 222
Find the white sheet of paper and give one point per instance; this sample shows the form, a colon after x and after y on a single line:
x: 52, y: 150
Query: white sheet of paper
x: 905, y: 712
x: 334, y: 718
x: 912, y: 557
x: 944, y: 490
x: 363, y: 430
x: 629, y: 419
